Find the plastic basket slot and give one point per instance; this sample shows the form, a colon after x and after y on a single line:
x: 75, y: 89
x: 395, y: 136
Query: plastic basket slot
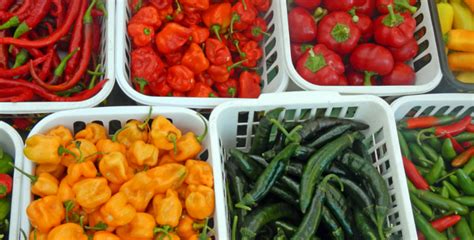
x: 422, y: 62
x: 456, y: 110
x: 419, y: 18
x: 421, y: 48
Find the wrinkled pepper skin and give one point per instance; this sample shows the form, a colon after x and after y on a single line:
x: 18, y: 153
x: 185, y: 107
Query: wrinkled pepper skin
x: 57, y: 170
x: 195, y: 59
x: 63, y: 133
x: 114, y: 167
x: 185, y: 227
x: 172, y: 37
x: 168, y: 210
x: 92, y: 192
x: 199, y: 173
x: 103, y: 235
x: 394, y: 29
x: 141, y: 227
x: 141, y: 154
x: 139, y: 191
x: 87, y: 150
x: 79, y: 171
x: 46, y: 213
x: 70, y: 231
x: 65, y: 192
x: 167, y: 176
x: 93, y: 133
x: 200, y: 201
x: 45, y: 185
x: 108, y: 146
x: 188, y: 147
x: 133, y: 131
x: 117, y: 211
x: 163, y: 133
x: 42, y: 149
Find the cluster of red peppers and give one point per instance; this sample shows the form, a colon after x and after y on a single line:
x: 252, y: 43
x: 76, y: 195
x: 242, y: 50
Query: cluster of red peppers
x: 353, y: 42
x: 33, y: 36
x: 197, y: 48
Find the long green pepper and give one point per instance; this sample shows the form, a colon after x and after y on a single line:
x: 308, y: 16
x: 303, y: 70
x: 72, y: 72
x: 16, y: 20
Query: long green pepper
x: 262, y: 134
x: 462, y: 230
x: 425, y: 227
x: 435, y: 171
x: 422, y: 206
x: 465, y: 182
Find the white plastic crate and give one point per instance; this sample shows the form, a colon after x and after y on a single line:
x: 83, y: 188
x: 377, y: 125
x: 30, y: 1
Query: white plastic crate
x: 106, y: 58
x: 232, y: 125
x: 426, y: 63
x: 11, y: 143
x: 113, y: 118
x: 274, y: 77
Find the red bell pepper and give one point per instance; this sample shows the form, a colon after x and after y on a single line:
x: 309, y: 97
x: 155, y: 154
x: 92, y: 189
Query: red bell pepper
x: 341, y: 5
x: 5, y: 185
x: 357, y: 79
x: 217, y: 52
x: 394, y: 29
x: 201, y: 90
x: 141, y: 34
x: 368, y: 8
x: 297, y: 50
x: 337, y: 31
x: 401, y: 74
x: 249, y: 85
x: 399, y: 5
x: 405, y: 53
x: 199, y: 34
x: 195, y: 5
x: 302, y: 25
x: 195, y: 59
x: 146, y: 64
x: 252, y: 52
x: 308, y: 4
x: 362, y: 59
x: 227, y: 88
x: 321, y: 66
x: 172, y: 37
x: 180, y: 78
x: 243, y: 15
x: 257, y: 30
x: 217, y: 18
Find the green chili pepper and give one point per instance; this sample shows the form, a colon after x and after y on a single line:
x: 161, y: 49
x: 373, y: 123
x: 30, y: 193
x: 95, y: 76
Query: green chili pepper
x: 435, y: 171
x: 364, y: 226
x: 330, y: 135
x: 410, y: 135
x: 288, y: 182
x: 465, y: 182
x: 19, y: 31
x: 434, y: 142
x: 287, y: 227
x: 425, y: 227
x: 332, y: 225
x: 419, y: 156
x: 440, y: 202
x: 465, y: 200
x: 462, y: 230
x: 444, y: 192
x: 58, y: 72
x: 454, y: 180
x: 262, y: 134
x: 359, y: 196
x: 339, y: 207
x: 471, y: 221
x: 422, y: 206
x: 464, y: 137
x: 404, y: 146
x: 450, y: 233
x: 20, y: 58
x: 469, y: 167
x: 447, y: 150
x: 303, y: 153
x: 6, y: 162
x: 422, y: 170
x: 311, y: 128
x: 453, y: 192
x: 429, y: 152
x: 5, y: 206
x: 12, y: 22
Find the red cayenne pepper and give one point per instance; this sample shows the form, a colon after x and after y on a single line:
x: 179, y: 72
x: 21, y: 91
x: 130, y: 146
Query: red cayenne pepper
x: 426, y: 121
x: 451, y: 129
x: 3, y: 52
x: 470, y: 128
x: 76, y: 39
x: 15, y: 94
x: 414, y: 175
x: 7, y: 73
x: 457, y: 147
x: 443, y: 223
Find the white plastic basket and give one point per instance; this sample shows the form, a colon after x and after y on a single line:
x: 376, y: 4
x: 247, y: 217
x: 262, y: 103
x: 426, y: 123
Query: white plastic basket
x: 106, y: 58
x: 232, y: 125
x: 113, y: 118
x: 426, y: 63
x: 274, y: 77
x: 11, y: 143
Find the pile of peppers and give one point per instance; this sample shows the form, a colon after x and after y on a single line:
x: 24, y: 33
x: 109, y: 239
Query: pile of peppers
x: 190, y: 48
x: 438, y: 157
x: 299, y: 174
x: 6, y: 183
x: 457, y: 26
x: 33, y: 36
x: 353, y: 42
x: 144, y: 182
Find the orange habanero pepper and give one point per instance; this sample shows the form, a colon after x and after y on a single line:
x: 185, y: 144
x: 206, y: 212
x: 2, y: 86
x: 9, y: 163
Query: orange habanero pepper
x: 199, y: 172
x: 37, y: 235
x: 165, y: 159
x: 79, y: 151
x: 141, y: 227
x: 133, y: 131
x: 45, y: 213
x: 139, y: 190
x: 167, y: 236
x: 43, y: 149
x: 117, y: 211
x: 57, y: 170
x: 93, y: 133
x: 185, y: 227
x: 111, y: 145
x: 97, y: 218
x: 200, y: 201
x: 78, y: 171
x: 69, y: 231
x: 65, y: 192
x: 167, y: 176
x: 63, y: 133
x: 164, y: 134
x: 103, y: 235
x: 92, y: 192
x: 187, y: 147
x: 141, y: 154
x: 42, y: 185
x: 114, y: 167
x: 168, y: 210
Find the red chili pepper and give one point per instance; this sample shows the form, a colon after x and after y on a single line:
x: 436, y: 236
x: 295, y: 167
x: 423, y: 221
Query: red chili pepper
x: 405, y: 53
x: 205, y: 78
x: 195, y: 59
x: 420, y: 235
x: 236, y: 42
x: 192, y: 18
x: 146, y: 64
x: 5, y: 184
x: 199, y: 34
x: 166, y: 13
x: 262, y: 5
x: 201, y: 90
x: 148, y: 16
x: 394, y: 29
x: 76, y: 39
x: 368, y: 8
x: 321, y: 66
x: 249, y: 85
x: 452, y: 129
x: 399, y: 5
x: 337, y: 31
x: 364, y: 23
x: 46, y: 66
x: 297, y: 50
x: 341, y: 5
x: 227, y: 88
x: 59, y: 12
x: 161, y: 4
x: 414, y: 175
x: 174, y: 58
x: 462, y: 158
x: 180, y: 78
x: 243, y: 15
x: 302, y: 26
x: 362, y: 60
x: 257, y: 30
x: 197, y: 5
x: 425, y: 121
x: 6, y: 4
x: 96, y: 36
x: 172, y: 37
x: 443, y: 223
x: 217, y: 18
x: 38, y: 13
x: 457, y: 147
x: 308, y: 4
x: 470, y: 128
x: 468, y: 144
x: 3, y: 52
x: 22, y: 12
x: 15, y: 94
x: 9, y: 73
x: 220, y: 73
x: 253, y: 53
x: 401, y: 74
x: 217, y: 52
x: 160, y: 87
x: 141, y: 34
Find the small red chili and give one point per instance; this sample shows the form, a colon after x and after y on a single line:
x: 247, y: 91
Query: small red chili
x: 180, y: 78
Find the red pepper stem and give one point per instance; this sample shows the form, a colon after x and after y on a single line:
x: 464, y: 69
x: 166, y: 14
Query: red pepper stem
x: 216, y: 29
x: 368, y: 78
x: 31, y: 177
x: 58, y: 72
x: 201, y: 137
x: 87, y: 19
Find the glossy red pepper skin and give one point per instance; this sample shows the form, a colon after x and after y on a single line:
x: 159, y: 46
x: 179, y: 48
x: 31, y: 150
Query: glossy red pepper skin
x: 174, y: 58
x: 5, y: 185
x: 172, y: 37
x: 146, y: 64
x: 199, y: 34
x: 147, y: 15
x: 414, y: 175
x: 201, y: 90
x: 405, y: 53
x: 366, y: 27
x: 217, y: 17
x: 297, y: 50
x: 195, y: 5
x: 9, y: 73
x: 217, y: 52
x: 368, y: 8
x: 3, y: 52
x: 262, y: 5
x: 249, y: 85
x: 180, y: 78
x: 302, y: 25
x: 6, y: 4
x: 253, y: 53
x: 362, y: 57
x: 399, y: 6
x: 443, y: 223
x: 220, y: 73
x: 205, y: 78
x: 141, y: 34
x: 257, y: 30
x: 160, y: 87
x: 401, y: 74
x: 191, y: 18
x: 341, y: 5
x: 227, y: 89
x: 470, y: 128
x: 321, y: 66
x: 161, y: 4
x: 456, y: 145
x: 16, y: 94
x: 38, y: 13
x: 394, y: 29
x: 195, y: 59
x: 76, y: 39
x: 337, y: 31
x: 308, y: 4
x: 426, y: 121
x: 243, y: 15
x: 454, y: 128
x: 355, y: 78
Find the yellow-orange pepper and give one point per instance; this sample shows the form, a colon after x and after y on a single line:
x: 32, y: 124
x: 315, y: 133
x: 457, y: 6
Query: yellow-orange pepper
x: 188, y: 147
x: 164, y: 134
x: 92, y: 192
x: 141, y: 153
x: 166, y: 158
x: 57, y: 170
x: 199, y: 173
x: 103, y: 235
x: 93, y: 132
x: 139, y: 191
x: 86, y: 152
x: 167, y: 236
x: 117, y: 211
x: 168, y: 210
x: 63, y: 133
x: 114, y: 187
x: 185, y: 227
x: 96, y: 218
x: 200, y: 201
x: 141, y: 227
x: 108, y: 145
x: 42, y: 149
x: 69, y: 231
x: 114, y: 167
x: 65, y: 191
x: 37, y: 235
x: 45, y: 213
x: 78, y: 171
x: 43, y: 185
x: 168, y: 176
x: 133, y: 131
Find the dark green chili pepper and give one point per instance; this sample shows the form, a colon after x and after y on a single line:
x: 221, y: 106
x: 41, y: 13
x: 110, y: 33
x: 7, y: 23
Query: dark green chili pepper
x: 471, y: 221
x: 429, y: 152
x: 435, y: 171
x: 434, y: 142
x: 361, y: 149
x: 262, y: 134
x: 335, y: 169
x: 230, y: 204
x: 280, y: 235
x: 422, y: 170
x: 311, y: 128
x: 465, y: 182
x: 339, y: 208
x: 287, y: 227
x: 447, y: 150
x: 329, y: 135
x: 272, y: 173
x: 404, y: 146
x: 469, y: 167
x: 422, y: 206
x: 331, y: 224
x: 295, y: 169
x: 425, y: 227
x: 286, y: 181
x: 419, y: 156
x: 462, y: 230
x: 263, y: 216
x: 303, y: 153
x: 454, y: 180
x: 440, y: 202
x: 250, y: 168
x: 450, y: 233
x: 453, y: 192
x: 465, y: 200
x: 464, y: 137
x: 364, y: 226
x: 359, y: 196
x: 319, y: 162
x: 410, y: 135
x: 284, y: 194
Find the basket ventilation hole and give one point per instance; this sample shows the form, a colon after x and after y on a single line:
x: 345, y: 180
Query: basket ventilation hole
x: 456, y: 110
x: 78, y: 126
x: 442, y: 110
x: 114, y: 126
x: 427, y: 111
x: 420, y: 33
x: 422, y: 62
x: 351, y: 112
x: 335, y: 112
x: 413, y: 112
x: 321, y: 112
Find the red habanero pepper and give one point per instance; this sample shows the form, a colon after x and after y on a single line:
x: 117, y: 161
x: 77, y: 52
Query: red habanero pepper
x: 302, y: 25
x: 180, y: 78
x: 262, y: 5
x: 3, y: 52
x: 443, y: 223
x: 199, y: 34
x: 161, y: 4
x: 399, y: 5
x: 236, y: 42
x: 5, y: 184
x: 470, y: 128
x: 178, y: 94
x: 297, y: 50
x: 6, y: 4
x: 362, y: 60
x: 146, y: 64
x: 148, y: 16
x: 405, y: 53
x: 217, y: 52
x: 192, y: 18
x: 201, y: 90
x: 337, y: 31
x: 243, y: 15
x: 172, y: 37
x: 76, y: 39
x: 205, y: 78
x: 253, y: 53
x: 308, y: 4
x: 160, y: 87
x: 249, y: 85
x: 401, y: 74
x: 166, y: 13
x: 394, y: 29
x: 174, y: 58
x: 15, y: 94
x: 341, y: 5
x: 321, y: 66
x: 217, y: 18
x: 425, y: 121
x: 414, y: 175
x: 368, y: 8
x: 141, y: 34
x: 257, y: 30
x: 227, y: 88
x: 197, y: 5
x: 220, y: 73
x: 195, y: 59
x: 8, y: 73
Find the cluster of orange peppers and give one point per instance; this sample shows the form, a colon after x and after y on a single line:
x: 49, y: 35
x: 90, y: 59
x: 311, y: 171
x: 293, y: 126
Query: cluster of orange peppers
x: 142, y: 183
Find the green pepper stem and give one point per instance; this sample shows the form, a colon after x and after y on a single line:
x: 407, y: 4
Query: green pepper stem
x: 235, y: 17
x: 32, y: 178
x: 232, y: 91
x: 421, y: 136
x: 203, y: 234
x: 237, y: 64
x: 245, y: 5
x: 172, y: 138
x: 87, y: 19
x: 367, y: 78
x: 114, y: 137
x: 21, y: 58
x: 19, y: 31
x: 148, y: 117
x: 243, y: 206
x: 404, y: 4
x: 392, y: 19
x: 236, y: 44
x: 216, y: 30
x: 95, y: 74
x: 445, y: 177
x: 3, y: 189
x: 100, y: 226
x: 12, y: 22
x: 101, y: 6
x: 234, y: 227
x: 58, y: 72
x: 319, y: 13
x: 201, y: 137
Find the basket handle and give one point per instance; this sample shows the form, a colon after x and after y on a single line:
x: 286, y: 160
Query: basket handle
x: 304, y: 95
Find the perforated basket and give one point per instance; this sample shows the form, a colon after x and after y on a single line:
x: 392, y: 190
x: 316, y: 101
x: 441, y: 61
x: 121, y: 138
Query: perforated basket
x: 106, y: 58
x: 11, y: 143
x: 113, y: 118
x: 232, y: 125
x: 274, y: 77
x: 426, y: 63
